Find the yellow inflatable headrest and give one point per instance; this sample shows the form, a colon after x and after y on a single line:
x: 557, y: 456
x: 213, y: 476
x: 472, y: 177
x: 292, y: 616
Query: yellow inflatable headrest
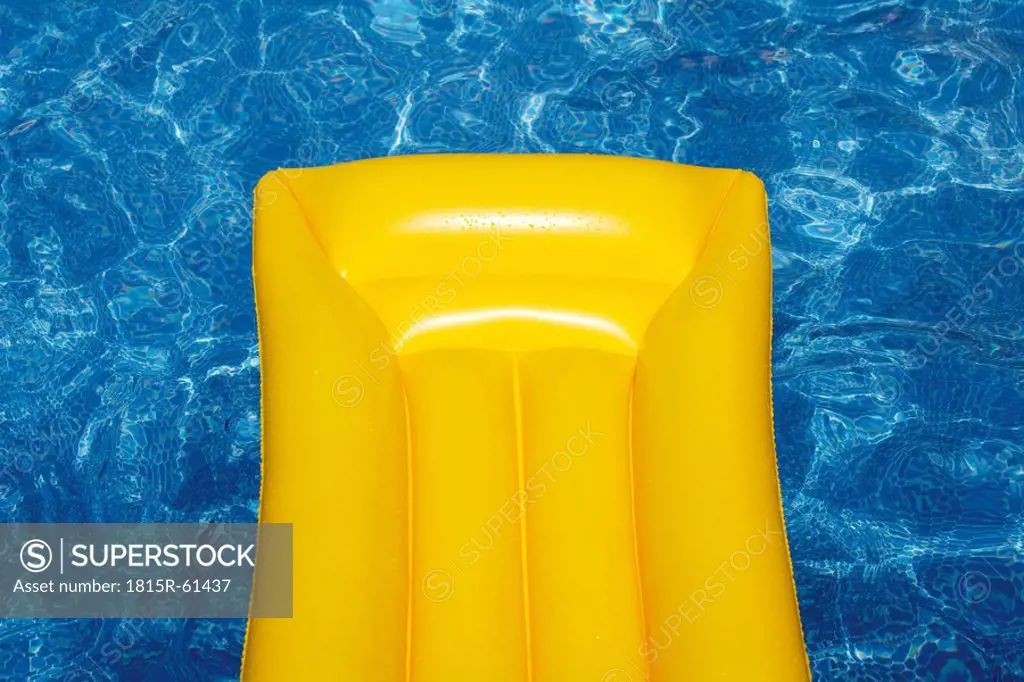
x: 518, y: 409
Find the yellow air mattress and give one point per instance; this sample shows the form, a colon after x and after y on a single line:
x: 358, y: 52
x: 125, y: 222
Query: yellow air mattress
x: 518, y: 409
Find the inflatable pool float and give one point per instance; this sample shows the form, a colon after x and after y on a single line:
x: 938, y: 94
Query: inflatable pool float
x: 518, y: 409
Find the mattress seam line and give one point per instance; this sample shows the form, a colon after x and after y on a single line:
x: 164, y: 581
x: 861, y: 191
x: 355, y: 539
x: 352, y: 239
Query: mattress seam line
x: 409, y: 538
x: 718, y: 214
x: 521, y: 485
x: 636, y: 534
x: 306, y: 220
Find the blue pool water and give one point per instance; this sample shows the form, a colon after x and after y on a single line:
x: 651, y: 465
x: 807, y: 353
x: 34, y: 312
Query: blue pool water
x: 891, y: 139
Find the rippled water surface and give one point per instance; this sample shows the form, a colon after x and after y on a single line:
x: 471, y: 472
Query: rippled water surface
x: 889, y: 135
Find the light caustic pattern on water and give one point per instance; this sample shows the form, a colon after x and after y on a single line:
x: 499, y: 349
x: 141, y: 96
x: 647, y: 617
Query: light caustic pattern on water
x: 889, y: 137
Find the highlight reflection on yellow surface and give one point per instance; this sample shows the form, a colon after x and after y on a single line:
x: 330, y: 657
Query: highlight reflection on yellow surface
x: 473, y: 323
x: 518, y: 409
x: 512, y: 220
